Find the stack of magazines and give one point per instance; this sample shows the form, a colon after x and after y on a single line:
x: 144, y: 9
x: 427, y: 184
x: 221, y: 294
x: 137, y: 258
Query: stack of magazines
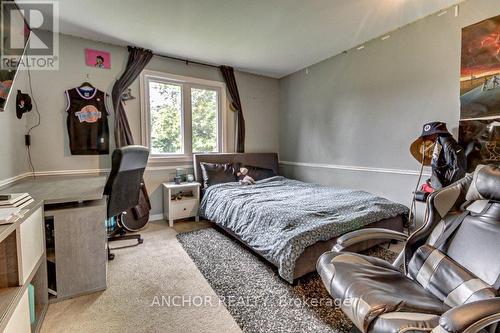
x: 12, y: 206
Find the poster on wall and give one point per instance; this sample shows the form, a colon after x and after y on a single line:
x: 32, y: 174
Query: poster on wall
x: 479, y: 131
x: 98, y: 59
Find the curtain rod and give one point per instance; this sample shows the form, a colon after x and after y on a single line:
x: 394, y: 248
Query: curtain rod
x: 186, y: 60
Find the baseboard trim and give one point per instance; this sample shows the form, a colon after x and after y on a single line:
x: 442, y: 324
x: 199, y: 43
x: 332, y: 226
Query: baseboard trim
x: 356, y: 168
x: 155, y: 217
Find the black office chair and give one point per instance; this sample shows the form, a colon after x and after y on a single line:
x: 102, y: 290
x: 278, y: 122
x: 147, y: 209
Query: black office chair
x: 123, y: 188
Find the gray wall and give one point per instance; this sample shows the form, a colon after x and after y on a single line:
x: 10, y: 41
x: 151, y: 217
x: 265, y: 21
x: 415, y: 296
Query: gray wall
x: 259, y: 95
x: 12, y: 130
x: 364, y: 108
x: 361, y: 109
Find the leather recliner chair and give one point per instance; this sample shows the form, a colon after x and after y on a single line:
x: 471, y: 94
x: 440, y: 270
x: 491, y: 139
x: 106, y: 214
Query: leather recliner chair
x: 451, y: 266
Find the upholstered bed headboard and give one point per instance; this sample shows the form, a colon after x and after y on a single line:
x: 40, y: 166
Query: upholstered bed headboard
x: 261, y: 160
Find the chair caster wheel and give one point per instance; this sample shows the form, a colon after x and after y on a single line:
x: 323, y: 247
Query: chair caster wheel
x: 140, y: 241
x: 111, y: 256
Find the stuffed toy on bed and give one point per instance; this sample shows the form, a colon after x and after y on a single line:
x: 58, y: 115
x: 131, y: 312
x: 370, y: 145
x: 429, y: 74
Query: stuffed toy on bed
x: 244, y: 178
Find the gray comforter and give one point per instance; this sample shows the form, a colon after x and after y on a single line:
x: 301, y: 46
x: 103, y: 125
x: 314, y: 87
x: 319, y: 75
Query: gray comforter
x: 280, y: 217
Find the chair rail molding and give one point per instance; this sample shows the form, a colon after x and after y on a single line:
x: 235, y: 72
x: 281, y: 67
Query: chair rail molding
x: 12, y: 180
x: 426, y: 171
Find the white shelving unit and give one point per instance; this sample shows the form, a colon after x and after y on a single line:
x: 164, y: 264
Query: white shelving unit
x: 23, y: 262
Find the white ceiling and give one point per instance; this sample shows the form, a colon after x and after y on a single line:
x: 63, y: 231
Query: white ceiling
x: 268, y: 37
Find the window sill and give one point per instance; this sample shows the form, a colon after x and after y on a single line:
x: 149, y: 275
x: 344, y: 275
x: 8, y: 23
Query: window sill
x: 161, y: 163
x: 165, y: 162
x: 160, y: 159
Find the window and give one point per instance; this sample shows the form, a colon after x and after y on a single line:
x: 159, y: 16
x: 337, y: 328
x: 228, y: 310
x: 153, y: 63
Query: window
x: 181, y: 115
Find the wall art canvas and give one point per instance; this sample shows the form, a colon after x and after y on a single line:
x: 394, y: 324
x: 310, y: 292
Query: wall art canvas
x: 479, y: 131
x: 98, y: 59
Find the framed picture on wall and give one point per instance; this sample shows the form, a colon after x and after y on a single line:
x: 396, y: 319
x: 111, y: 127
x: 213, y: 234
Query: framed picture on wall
x: 479, y: 131
x: 98, y: 59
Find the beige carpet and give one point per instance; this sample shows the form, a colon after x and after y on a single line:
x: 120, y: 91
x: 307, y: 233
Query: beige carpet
x: 137, y: 280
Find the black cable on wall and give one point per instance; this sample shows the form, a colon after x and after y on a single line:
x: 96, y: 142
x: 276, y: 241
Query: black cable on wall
x: 39, y: 118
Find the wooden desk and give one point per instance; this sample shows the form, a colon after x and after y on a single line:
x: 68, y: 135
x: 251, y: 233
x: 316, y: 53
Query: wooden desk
x: 75, y: 209
x: 61, y: 189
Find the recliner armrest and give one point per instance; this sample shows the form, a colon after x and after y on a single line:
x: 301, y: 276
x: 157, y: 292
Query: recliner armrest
x: 358, y: 236
x: 470, y: 317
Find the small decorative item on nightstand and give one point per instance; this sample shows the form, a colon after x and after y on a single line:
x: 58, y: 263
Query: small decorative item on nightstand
x: 180, y: 201
x: 180, y: 172
x: 190, y: 178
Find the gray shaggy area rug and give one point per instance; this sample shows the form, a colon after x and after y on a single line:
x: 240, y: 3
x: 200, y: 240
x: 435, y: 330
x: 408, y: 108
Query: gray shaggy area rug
x: 257, y: 298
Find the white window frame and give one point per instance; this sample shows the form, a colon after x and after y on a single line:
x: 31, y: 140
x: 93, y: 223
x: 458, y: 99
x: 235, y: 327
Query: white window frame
x: 186, y: 126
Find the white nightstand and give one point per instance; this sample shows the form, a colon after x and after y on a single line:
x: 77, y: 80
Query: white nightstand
x: 184, y: 208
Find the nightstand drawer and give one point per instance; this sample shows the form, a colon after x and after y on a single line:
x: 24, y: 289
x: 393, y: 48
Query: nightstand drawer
x: 183, y: 208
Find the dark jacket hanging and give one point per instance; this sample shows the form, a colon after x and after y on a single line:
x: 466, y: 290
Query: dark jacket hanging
x: 138, y: 58
x: 232, y: 87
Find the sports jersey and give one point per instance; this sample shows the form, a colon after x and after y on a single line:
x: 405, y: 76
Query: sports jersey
x: 87, y: 121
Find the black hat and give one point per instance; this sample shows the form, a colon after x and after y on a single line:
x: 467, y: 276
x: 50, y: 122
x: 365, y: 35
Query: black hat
x: 436, y: 127
x: 23, y: 104
x: 419, y: 150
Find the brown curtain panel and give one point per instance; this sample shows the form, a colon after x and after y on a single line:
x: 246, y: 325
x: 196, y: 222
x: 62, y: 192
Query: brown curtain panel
x: 232, y: 87
x: 138, y: 58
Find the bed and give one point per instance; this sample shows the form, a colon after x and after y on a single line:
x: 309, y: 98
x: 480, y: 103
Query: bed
x: 287, y: 222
